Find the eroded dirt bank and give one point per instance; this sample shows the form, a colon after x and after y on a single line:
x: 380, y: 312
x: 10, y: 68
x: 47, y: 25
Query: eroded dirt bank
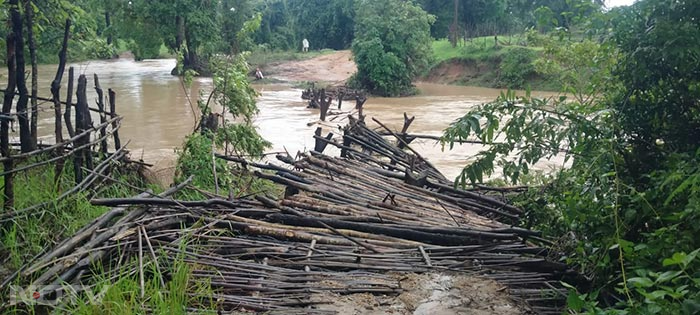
x: 335, y: 67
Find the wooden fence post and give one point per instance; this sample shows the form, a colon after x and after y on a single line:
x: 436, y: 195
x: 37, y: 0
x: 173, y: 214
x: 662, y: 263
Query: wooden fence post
x: 80, y: 127
x: 103, y: 118
x: 25, y: 134
x: 324, y: 104
x: 29, y: 19
x: 55, y: 92
x: 341, y: 95
x: 9, y: 196
x: 69, y: 102
x: 113, y: 113
x: 359, y: 103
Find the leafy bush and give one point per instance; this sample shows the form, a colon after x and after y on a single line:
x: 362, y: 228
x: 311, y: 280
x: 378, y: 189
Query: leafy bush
x: 516, y: 65
x: 232, y: 91
x: 98, y: 48
x: 390, y: 49
x: 196, y: 159
x: 626, y: 208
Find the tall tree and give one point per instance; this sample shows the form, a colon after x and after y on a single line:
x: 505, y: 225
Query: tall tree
x: 325, y: 23
x: 390, y: 50
x: 660, y: 76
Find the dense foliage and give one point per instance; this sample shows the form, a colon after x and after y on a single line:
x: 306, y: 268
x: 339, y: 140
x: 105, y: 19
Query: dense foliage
x: 235, y: 97
x: 625, y: 204
x: 390, y: 50
x: 324, y: 23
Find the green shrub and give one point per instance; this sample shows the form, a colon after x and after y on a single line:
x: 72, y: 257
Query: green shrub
x: 516, y: 66
x: 97, y: 48
x: 390, y: 50
x: 233, y: 92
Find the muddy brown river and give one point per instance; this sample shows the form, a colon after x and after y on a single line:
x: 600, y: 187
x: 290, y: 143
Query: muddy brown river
x: 158, y: 115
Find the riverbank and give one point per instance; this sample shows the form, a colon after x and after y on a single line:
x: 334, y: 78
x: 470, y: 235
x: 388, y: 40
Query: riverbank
x: 483, y: 62
x: 295, y: 67
x: 479, y: 63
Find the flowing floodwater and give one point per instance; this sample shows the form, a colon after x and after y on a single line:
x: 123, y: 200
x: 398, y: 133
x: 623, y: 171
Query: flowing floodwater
x: 158, y: 112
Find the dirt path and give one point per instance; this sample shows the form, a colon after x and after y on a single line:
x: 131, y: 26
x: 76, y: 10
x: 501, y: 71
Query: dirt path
x: 334, y: 67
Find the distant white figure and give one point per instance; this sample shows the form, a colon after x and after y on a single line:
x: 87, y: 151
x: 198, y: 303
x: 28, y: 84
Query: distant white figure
x: 305, y: 45
x: 258, y: 74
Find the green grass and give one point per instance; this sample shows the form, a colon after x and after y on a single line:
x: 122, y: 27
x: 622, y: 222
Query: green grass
x: 165, y: 53
x: 25, y: 236
x: 123, y: 295
x: 485, y: 55
x: 478, y: 49
x: 261, y: 57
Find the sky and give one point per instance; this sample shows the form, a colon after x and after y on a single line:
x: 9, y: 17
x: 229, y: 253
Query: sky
x: 617, y: 3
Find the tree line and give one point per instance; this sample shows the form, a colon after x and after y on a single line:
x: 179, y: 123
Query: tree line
x: 209, y: 27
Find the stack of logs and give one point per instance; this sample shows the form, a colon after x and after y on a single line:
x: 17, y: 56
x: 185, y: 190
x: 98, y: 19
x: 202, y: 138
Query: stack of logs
x: 348, y: 219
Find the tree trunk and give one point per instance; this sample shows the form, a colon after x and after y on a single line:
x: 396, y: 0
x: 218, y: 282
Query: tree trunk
x: 5, y: 122
x: 69, y: 102
x: 180, y: 32
x: 454, y: 28
x: 25, y: 135
x: 108, y: 24
x: 29, y: 14
x: 191, y: 53
x: 80, y: 127
x: 55, y: 92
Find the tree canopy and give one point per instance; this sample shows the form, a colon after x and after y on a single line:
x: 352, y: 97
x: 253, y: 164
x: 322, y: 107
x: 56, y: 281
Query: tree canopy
x: 623, y: 205
x: 390, y: 49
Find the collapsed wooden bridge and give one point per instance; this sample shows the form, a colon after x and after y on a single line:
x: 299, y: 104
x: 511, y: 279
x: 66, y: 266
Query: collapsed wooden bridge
x: 355, y: 224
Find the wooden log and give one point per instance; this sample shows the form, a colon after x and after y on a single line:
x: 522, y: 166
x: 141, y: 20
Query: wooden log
x: 426, y: 258
x: 79, y: 237
x: 476, y: 196
x: 69, y: 101
x: 25, y: 134
x: 359, y: 104
x: 56, y: 96
x: 324, y: 104
x: 402, y: 233
x: 29, y: 22
x: 80, y: 127
x: 341, y: 96
x: 321, y: 143
x: 435, y: 171
x: 75, y: 150
x: 113, y: 112
x: 119, y: 227
x: 66, y: 143
x: 103, y: 117
x: 87, y: 249
x: 8, y: 190
x: 161, y: 202
x: 406, y: 124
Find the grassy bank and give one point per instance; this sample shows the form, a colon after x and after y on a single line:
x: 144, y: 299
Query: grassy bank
x: 168, y: 289
x: 482, y: 62
x: 26, y: 234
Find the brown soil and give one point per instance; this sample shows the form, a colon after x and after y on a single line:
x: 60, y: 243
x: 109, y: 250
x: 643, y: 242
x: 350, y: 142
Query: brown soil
x: 428, y: 294
x: 335, y: 67
x: 457, y: 72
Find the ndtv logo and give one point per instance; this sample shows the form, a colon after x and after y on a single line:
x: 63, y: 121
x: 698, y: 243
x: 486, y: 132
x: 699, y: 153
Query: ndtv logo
x: 53, y: 295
